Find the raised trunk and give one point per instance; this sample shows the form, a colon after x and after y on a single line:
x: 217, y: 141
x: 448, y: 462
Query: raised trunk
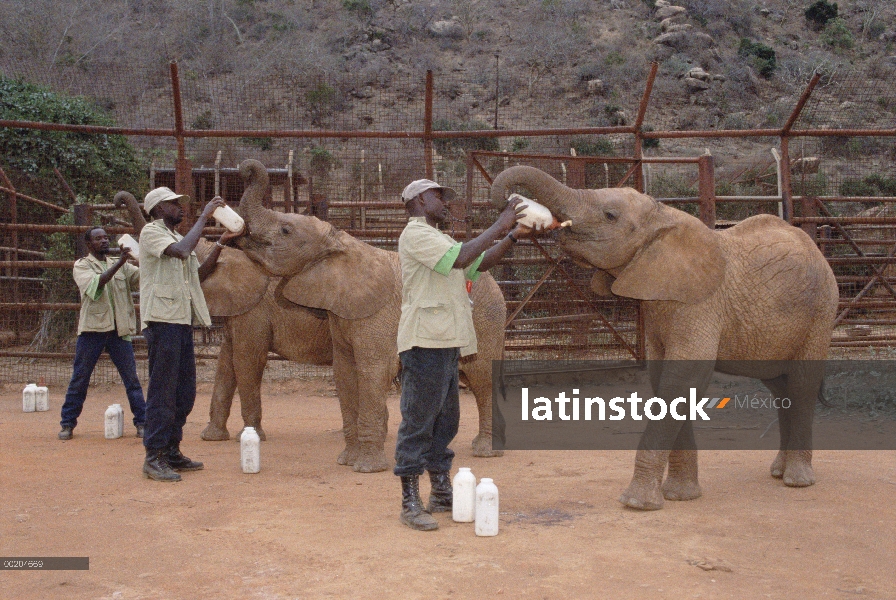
x: 258, y: 218
x: 127, y: 200
x: 560, y: 199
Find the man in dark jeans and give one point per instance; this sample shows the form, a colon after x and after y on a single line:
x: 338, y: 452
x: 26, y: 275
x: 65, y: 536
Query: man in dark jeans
x: 171, y: 302
x: 107, y: 322
x: 436, y: 328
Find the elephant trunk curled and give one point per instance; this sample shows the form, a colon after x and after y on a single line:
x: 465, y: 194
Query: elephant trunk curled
x: 546, y: 190
x: 127, y: 200
x: 256, y: 177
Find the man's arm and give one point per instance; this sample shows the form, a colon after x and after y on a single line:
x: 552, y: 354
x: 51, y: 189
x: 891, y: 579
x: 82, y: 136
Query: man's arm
x: 211, y: 261
x: 109, y: 273
x: 184, y: 247
x: 484, y: 242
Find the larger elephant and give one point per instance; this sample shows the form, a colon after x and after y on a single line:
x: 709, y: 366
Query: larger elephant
x: 759, y: 291
x: 259, y: 321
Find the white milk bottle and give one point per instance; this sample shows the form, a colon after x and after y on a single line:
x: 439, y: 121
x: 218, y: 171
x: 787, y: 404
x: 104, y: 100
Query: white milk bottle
x: 112, y: 422
x: 126, y: 241
x: 29, y: 397
x: 250, y: 451
x: 229, y: 218
x: 120, y: 419
x: 41, y: 398
x: 486, y: 508
x: 535, y: 215
x: 463, y: 506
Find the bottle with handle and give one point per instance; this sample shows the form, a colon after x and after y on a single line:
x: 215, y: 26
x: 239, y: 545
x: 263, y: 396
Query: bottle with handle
x: 486, y: 508
x: 29, y: 397
x: 229, y: 218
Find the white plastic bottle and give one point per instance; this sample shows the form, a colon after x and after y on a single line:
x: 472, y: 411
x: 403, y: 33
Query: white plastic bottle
x: 250, y: 451
x: 126, y: 241
x: 229, y: 218
x: 535, y: 215
x: 112, y: 420
x: 486, y: 508
x: 463, y: 506
x: 28, y: 397
x: 41, y: 398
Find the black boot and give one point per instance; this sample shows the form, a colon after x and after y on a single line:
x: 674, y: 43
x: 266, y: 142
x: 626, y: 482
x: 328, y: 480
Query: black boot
x: 179, y: 462
x: 156, y: 466
x: 440, y: 493
x: 412, y: 513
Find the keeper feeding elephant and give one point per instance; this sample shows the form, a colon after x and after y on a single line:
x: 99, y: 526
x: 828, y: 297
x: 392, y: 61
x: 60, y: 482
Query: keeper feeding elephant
x: 758, y: 300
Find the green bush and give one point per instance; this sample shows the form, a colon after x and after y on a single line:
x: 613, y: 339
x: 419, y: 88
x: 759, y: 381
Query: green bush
x: 870, y: 185
x: 358, y: 6
x: 92, y: 164
x: 819, y: 13
x: 837, y: 35
x: 599, y: 147
x: 762, y: 57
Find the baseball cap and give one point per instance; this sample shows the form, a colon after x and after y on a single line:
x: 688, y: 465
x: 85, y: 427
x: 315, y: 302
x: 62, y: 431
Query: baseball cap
x: 159, y: 195
x: 415, y: 188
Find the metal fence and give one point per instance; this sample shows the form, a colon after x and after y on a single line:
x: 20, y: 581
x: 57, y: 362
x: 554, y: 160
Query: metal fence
x: 343, y: 149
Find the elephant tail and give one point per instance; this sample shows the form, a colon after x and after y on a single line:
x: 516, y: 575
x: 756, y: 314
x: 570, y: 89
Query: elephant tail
x: 821, y: 397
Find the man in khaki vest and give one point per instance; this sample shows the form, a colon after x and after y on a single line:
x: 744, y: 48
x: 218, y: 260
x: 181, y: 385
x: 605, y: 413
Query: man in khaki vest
x: 107, y: 322
x: 171, y: 302
x: 435, y: 329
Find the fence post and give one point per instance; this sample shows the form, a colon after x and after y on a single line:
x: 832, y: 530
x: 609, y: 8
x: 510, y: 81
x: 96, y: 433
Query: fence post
x: 83, y: 214
x: 638, y: 182
x: 183, y: 170
x: 14, y: 271
x: 427, y: 127
x: 707, y: 190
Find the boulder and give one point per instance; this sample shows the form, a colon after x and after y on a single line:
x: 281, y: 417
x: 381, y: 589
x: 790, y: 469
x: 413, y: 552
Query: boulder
x: 595, y: 87
x: 685, y: 39
x: 667, y: 23
x: 446, y: 29
x: 669, y: 11
x: 698, y: 73
x: 695, y: 85
x: 808, y: 164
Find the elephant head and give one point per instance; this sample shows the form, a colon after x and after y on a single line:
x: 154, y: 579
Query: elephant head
x: 127, y: 200
x: 642, y: 249
x: 323, y: 268
x: 235, y: 286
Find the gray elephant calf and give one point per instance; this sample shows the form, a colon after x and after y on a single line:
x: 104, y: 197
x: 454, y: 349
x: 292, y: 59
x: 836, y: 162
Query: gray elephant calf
x: 759, y: 291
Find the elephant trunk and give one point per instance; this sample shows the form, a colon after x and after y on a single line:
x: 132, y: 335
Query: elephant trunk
x: 258, y: 218
x: 560, y: 199
x: 127, y: 200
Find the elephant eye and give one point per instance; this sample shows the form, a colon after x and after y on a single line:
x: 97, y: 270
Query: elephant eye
x: 284, y: 230
x: 610, y: 216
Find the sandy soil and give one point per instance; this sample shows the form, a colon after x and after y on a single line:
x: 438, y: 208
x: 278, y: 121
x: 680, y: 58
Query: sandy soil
x: 307, y: 528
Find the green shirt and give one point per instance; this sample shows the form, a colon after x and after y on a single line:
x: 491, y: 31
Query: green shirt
x: 107, y: 308
x: 436, y: 310
x: 169, y: 286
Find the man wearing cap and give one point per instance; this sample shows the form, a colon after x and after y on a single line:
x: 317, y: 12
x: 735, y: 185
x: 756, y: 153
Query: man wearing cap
x: 171, y: 302
x: 435, y: 329
x: 107, y: 322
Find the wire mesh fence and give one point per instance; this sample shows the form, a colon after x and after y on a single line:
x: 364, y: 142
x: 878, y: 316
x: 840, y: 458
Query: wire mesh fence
x: 343, y: 148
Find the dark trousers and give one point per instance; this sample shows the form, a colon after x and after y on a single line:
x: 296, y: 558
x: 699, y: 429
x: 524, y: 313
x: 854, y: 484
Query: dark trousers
x: 172, y: 383
x: 430, y: 410
x: 88, y: 349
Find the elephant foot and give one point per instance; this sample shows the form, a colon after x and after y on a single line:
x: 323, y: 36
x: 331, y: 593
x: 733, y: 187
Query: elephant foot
x: 482, y: 447
x: 349, y: 456
x: 799, y: 474
x: 643, y: 496
x: 258, y: 430
x: 681, y: 489
x: 777, y: 468
x: 371, y: 460
x: 213, y: 433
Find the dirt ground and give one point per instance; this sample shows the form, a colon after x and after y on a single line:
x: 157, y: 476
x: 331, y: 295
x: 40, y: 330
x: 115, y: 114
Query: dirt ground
x: 306, y: 527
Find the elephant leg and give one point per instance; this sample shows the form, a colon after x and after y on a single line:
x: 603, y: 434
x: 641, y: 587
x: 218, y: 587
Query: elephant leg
x: 478, y: 376
x: 222, y: 393
x: 682, y: 481
x: 374, y: 378
x: 251, y: 370
x: 347, y: 391
x: 646, y: 492
x: 793, y: 462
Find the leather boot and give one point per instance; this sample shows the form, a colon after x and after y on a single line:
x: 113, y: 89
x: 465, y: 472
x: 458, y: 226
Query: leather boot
x: 179, y: 462
x: 440, y: 493
x: 412, y: 513
x: 156, y: 466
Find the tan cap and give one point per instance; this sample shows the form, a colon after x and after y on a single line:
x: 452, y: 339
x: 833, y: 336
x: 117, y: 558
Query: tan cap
x: 159, y: 195
x: 415, y: 188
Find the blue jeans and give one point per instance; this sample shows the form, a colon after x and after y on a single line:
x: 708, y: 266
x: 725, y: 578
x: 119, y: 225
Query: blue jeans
x: 87, y: 351
x: 172, y: 383
x: 430, y: 410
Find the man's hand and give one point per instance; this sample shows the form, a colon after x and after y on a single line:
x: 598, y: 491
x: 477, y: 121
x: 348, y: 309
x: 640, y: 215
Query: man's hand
x: 229, y: 235
x: 213, y: 204
x: 511, y: 214
x: 125, y: 255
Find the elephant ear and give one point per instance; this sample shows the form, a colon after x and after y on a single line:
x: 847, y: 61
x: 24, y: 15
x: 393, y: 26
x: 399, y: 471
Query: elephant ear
x: 235, y: 286
x: 683, y: 262
x: 602, y: 282
x: 353, y: 283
